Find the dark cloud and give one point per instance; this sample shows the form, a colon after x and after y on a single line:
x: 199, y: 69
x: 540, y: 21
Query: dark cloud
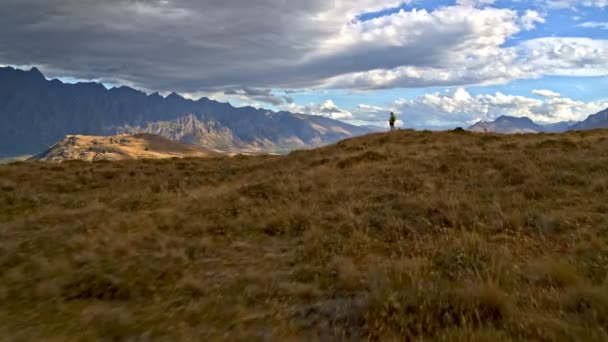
x: 256, y: 91
x: 183, y: 45
x: 204, y: 45
x: 261, y: 95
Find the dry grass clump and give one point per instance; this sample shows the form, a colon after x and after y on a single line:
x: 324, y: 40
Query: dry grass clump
x: 432, y: 309
x: 401, y: 236
x: 108, y: 322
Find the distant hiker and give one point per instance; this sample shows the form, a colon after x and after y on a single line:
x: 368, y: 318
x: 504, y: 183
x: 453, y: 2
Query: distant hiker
x: 392, y: 120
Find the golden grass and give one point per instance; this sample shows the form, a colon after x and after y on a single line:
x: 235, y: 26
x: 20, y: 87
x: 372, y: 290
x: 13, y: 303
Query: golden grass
x: 400, y: 236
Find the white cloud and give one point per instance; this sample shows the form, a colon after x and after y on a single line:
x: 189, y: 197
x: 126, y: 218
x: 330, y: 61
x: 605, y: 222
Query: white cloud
x: 476, y: 3
x: 594, y: 24
x: 565, y: 56
x: 459, y: 108
x: 480, y: 59
x: 369, y: 109
x: 328, y: 109
x: 493, y: 65
x: 448, y: 46
x: 530, y: 18
x: 463, y: 30
x: 546, y: 93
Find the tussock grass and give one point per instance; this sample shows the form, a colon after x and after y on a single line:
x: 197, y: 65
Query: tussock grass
x: 401, y: 236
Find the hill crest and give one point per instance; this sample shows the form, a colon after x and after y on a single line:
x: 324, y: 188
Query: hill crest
x: 120, y: 147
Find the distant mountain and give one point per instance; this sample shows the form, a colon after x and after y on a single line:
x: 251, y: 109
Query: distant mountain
x: 513, y: 125
x: 599, y: 120
x: 120, y: 147
x: 507, y: 125
x: 36, y: 112
x: 558, y: 127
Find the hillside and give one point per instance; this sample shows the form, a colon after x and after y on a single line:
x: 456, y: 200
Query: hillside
x: 120, y: 147
x: 36, y: 112
x: 451, y: 236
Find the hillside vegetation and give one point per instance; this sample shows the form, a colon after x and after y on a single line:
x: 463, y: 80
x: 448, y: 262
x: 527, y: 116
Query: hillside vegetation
x: 395, y: 236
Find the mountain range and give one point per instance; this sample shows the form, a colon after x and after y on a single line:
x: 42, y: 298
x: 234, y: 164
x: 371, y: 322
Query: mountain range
x: 511, y: 125
x: 35, y: 113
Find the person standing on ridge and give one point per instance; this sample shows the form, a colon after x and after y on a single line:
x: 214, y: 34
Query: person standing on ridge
x: 392, y: 120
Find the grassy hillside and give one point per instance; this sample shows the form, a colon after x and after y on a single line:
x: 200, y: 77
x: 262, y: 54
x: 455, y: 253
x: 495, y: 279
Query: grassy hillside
x: 121, y: 147
x: 447, y: 236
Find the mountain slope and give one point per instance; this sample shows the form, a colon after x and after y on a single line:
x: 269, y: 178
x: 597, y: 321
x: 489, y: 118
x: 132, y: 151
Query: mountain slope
x: 120, y: 147
x: 35, y: 113
x: 189, y: 129
x: 599, y: 120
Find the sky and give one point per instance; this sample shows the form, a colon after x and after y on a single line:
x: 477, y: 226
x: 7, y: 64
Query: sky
x: 436, y: 63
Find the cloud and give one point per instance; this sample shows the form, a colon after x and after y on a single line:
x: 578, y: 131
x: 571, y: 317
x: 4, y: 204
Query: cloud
x: 448, y: 46
x: 369, y: 108
x: 202, y: 45
x: 565, y: 56
x: 248, y: 94
x: 459, y: 108
x: 181, y: 45
x: 594, y: 24
x: 530, y: 18
x: 327, y: 108
x: 546, y: 93
x: 493, y: 65
x: 475, y: 3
